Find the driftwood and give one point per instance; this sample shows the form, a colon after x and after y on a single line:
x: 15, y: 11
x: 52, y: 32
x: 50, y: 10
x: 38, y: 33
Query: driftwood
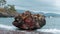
x: 28, y: 21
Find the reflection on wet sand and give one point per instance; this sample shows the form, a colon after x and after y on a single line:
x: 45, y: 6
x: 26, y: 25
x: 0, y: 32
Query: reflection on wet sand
x: 14, y: 30
x: 22, y: 32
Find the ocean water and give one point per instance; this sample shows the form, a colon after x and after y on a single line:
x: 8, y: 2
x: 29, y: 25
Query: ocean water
x: 52, y: 25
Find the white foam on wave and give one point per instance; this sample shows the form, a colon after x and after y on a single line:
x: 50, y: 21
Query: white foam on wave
x: 7, y: 27
x: 49, y: 30
x: 41, y: 30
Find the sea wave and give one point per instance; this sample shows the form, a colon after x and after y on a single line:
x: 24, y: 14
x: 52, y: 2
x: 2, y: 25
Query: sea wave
x: 41, y: 30
x: 7, y: 27
x: 50, y: 30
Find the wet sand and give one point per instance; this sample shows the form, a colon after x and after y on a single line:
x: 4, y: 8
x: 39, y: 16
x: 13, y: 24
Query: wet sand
x: 13, y: 30
x: 22, y: 32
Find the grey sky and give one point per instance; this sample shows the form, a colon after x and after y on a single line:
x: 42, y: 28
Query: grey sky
x: 37, y: 5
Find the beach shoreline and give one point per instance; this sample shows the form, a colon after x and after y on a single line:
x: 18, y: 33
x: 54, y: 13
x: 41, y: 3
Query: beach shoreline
x: 22, y: 32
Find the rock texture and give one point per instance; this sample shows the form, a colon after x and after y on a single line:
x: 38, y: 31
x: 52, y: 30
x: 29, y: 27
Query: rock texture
x: 28, y: 21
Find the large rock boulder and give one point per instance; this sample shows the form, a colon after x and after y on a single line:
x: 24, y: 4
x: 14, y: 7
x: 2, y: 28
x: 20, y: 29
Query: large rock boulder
x: 28, y: 21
